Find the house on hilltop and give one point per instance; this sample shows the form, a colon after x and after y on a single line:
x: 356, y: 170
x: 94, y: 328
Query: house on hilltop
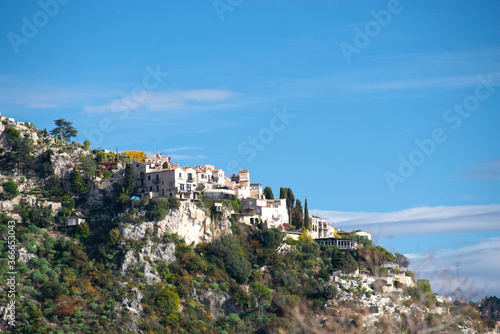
x: 272, y: 212
x: 321, y: 228
x: 152, y: 180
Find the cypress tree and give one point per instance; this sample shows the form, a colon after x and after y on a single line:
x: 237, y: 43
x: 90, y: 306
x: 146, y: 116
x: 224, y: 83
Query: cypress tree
x: 129, y: 182
x: 306, y: 215
x: 268, y: 193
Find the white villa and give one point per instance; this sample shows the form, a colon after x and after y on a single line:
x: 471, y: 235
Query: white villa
x: 321, y: 228
x: 272, y: 212
x: 152, y: 180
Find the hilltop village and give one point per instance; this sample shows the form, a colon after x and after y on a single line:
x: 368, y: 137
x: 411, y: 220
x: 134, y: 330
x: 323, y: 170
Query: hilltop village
x: 193, y: 183
x: 108, y: 242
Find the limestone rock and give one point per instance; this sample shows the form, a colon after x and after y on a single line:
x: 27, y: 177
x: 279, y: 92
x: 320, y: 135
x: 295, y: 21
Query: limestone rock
x: 24, y: 256
x: 189, y: 222
x: 219, y: 303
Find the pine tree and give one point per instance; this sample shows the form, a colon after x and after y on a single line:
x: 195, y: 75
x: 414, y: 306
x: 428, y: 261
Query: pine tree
x: 306, y: 215
x: 63, y: 130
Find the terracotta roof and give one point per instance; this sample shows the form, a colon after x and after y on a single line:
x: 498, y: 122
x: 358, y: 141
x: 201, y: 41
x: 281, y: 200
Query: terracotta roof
x: 243, y: 171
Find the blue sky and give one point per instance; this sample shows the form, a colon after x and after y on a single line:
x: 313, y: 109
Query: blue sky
x: 376, y: 110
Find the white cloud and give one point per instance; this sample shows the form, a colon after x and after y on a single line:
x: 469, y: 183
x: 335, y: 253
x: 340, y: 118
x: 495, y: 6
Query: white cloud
x: 420, y: 220
x: 156, y: 101
x: 465, y: 273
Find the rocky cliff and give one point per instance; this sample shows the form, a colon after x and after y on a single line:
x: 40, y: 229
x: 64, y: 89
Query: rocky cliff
x: 190, y: 222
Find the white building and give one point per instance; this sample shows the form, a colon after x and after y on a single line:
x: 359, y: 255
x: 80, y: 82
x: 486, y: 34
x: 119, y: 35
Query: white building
x: 321, y: 228
x: 75, y: 221
x: 365, y: 234
x: 152, y: 180
x: 272, y: 212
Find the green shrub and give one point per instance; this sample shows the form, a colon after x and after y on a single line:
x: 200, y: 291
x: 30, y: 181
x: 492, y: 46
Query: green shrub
x: 10, y: 189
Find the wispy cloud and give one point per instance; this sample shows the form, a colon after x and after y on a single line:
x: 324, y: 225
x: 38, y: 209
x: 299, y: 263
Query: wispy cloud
x: 47, y: 98
x: 463, y: 273
x: 187, y: 157
x: 177, y: 149
x: 489, y: 170
x: 164, y: 101
x: 420, y: 220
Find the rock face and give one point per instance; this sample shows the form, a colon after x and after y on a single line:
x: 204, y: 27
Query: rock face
x: 219, y: 303
x: 150, y: 252
x: 24, y: 256
x: 189, y: 222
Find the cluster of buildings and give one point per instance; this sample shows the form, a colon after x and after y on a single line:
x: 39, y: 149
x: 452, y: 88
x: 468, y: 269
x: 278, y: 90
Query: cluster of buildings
x: 193, y: 183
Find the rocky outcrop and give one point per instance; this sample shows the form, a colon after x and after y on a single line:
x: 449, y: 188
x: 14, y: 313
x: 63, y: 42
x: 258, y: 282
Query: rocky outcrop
x: 24, y: 256
x: 61, y: 165
x: 218, y: 303
x: 150, y: 252
x: 189, y: 222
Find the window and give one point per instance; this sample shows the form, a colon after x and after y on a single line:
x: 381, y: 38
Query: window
x: 150, y: 188
x: 156, y: 177
x: 163, y: 191
x: 180, y: 174
x: 171, y: 184
x: 162, y: 182
x: 189, y: 187
x: 136, y: 165
x: 149, y: 177
x: 157, y: 188
x: 181, y: 186
x: 190, y: 177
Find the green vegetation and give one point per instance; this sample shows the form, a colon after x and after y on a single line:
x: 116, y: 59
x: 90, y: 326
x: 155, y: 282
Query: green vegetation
x: 10, y: 189
x: 64, y: 130
x: 71, y: 279
x: 268, y: 193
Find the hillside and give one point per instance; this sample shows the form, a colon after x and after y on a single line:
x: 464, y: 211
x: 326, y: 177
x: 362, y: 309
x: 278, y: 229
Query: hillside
x: 178, y: 266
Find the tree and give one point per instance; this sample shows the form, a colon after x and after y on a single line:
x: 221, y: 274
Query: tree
x: 10, y: 189
x: 402, y: 260
x: 88, y: 166
x: 19, y: 155
x: 44, y: 166
x: 83, y: 230
x: 114, y: 235
x: 76, y: 182
x: 268, y: 193
x: 168, y: 301
x: 283, y: 192
x: 306, y: 215
x: 270, y: 238
x: 86, y: 144
x: 64, y: 129
x: 298, y: 215
x: 262, y: 295
x: 136, y: 155
x: 129, y: 181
